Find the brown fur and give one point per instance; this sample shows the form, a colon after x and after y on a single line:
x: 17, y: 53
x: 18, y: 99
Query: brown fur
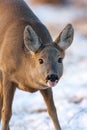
x: 23, y: 41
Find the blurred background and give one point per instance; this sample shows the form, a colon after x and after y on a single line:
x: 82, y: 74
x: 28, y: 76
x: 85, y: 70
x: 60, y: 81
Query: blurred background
x: 70, y: 95
x: 56, y: 13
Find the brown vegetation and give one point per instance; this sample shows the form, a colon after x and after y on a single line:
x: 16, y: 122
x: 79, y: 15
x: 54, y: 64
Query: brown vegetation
x: 49, y: 1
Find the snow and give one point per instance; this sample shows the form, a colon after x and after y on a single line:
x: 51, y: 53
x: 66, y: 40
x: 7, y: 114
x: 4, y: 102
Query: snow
x: 70, y: 95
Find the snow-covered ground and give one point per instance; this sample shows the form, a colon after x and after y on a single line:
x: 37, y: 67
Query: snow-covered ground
x: 70, y: 95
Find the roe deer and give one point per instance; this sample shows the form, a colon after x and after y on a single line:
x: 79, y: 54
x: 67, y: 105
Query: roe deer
x: 29, y: 59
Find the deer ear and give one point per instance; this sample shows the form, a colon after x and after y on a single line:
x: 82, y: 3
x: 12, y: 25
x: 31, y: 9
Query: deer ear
x: 65, y: 38
x: 31, y: 40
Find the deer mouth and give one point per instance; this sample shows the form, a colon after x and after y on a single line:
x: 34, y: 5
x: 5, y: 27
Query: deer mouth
x: 52, y: 80
x: 52, y: 83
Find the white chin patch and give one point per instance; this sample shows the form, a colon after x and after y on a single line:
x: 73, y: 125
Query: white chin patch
x: 52, y: 84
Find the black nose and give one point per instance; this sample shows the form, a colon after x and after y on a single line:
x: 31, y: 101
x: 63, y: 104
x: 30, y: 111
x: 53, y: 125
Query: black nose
x: 52, y: 77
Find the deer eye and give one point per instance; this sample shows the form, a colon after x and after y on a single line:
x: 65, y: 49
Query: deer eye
x: 60, y: 60
x: 41, y: 61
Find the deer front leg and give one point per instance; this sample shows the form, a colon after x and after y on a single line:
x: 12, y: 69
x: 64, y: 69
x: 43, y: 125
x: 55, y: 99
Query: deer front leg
x: 1, y: 95
x: 1, y: 102
x: 8, y: 94
x: 48, y: 97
